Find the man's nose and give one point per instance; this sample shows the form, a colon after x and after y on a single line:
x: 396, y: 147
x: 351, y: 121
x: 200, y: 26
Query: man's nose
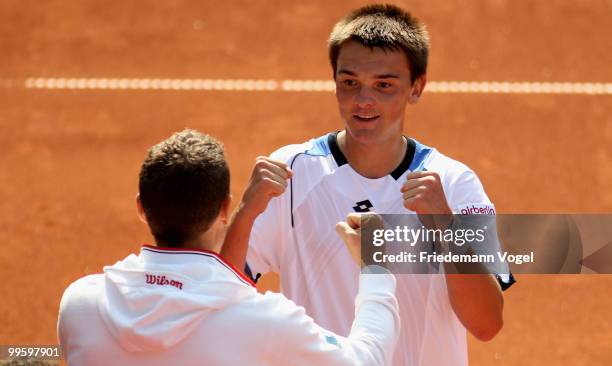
x: 365, y: 98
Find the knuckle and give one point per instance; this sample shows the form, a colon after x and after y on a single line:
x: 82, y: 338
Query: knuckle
x: 279, y: 164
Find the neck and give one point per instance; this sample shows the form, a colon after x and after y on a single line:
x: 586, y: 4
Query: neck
x: 200, y: 243
x: 373, y: 160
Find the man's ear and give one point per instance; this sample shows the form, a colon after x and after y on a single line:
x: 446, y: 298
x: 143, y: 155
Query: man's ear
x: 417, y: 89
x: 140, y: 209
x: 225, y: 209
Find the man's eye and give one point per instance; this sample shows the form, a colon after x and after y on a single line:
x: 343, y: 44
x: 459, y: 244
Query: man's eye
x: 349, y: 82
x: 383, y: 85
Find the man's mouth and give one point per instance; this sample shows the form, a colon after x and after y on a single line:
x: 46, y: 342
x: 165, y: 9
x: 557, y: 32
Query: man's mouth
x: 365, y: 117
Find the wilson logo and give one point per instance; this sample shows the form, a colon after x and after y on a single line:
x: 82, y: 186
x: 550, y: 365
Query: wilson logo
x: 162, y: 281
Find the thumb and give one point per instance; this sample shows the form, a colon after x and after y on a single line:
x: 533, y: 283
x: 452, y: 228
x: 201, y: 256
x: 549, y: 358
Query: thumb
x: 353, y: 220
x: 351, y: 239
x: 344, y: 230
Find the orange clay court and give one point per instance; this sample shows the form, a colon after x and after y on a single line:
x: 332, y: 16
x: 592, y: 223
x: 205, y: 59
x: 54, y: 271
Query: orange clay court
x: 71, y: 152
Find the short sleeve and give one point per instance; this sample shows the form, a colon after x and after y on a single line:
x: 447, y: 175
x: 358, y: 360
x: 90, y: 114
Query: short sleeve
x: 466, y: 193
x: 466, y: 196
x: 269, y: 237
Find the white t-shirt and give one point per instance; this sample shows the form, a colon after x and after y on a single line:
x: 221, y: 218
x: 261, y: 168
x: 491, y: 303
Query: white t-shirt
x: 296, y: 238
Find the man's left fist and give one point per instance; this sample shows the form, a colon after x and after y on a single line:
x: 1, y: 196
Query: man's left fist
x: 423, y: 193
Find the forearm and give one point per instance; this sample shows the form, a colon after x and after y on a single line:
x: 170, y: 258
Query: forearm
x: 236, y: 243
x: 376, y: 328
x: 478, y: 302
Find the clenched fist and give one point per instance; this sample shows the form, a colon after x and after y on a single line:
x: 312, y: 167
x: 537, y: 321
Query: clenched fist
x: 423, y: 194
x: 352, y: 230
x: 269, y: 179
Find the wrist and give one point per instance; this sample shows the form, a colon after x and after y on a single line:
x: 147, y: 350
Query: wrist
x: 444, y: 218
x: 246, y: 212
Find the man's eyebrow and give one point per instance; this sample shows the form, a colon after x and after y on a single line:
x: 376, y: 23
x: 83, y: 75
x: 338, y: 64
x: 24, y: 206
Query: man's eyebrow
x: 380, y: 76
x: 387, y: 76
x: 347, y: 72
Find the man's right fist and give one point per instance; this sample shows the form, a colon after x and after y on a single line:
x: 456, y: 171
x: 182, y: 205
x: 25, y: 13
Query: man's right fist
x: 269, y: 179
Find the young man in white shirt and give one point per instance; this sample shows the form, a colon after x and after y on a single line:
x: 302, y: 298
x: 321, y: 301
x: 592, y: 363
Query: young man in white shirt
x: 180, y: 303
x: 379, y: 56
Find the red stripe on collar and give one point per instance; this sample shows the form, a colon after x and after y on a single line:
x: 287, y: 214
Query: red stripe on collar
x: 229, y: 266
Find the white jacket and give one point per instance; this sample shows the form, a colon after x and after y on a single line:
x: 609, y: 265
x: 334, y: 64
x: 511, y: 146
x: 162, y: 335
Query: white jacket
x: 189, y: 307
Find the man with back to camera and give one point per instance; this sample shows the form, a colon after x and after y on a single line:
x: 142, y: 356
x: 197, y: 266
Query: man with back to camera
x: 379, y: 57
x: 180, y: 303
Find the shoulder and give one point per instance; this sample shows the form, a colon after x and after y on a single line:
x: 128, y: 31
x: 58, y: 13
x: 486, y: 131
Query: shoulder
x: 450, y: 170
x: 284, y: 325
x: 280, y: 312
x: 276, y: 305
x: 270, y: 310
x: 314, y: 147
x: 82, y: 291
x: 310, y: 162
x: 431, y: 159
x: 461, y: 184
x: 79, y: 304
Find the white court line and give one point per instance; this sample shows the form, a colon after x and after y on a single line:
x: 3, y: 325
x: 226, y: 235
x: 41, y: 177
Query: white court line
x: 462, y: 87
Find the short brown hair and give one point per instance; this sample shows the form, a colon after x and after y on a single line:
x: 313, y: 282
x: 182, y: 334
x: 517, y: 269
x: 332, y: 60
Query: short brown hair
x: 383, y: 26
x: 183, y: 183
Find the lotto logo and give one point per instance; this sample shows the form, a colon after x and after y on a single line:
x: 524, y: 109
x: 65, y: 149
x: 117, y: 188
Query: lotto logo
x: 363, y: 206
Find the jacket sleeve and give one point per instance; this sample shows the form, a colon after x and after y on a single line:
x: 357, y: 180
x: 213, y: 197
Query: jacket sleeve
x: 373, y: 336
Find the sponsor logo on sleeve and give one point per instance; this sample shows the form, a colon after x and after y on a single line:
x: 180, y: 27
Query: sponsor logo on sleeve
x: 476, y: 209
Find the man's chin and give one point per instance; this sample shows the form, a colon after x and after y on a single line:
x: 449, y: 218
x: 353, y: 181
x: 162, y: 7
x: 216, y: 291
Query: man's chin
x: 363, y: 136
